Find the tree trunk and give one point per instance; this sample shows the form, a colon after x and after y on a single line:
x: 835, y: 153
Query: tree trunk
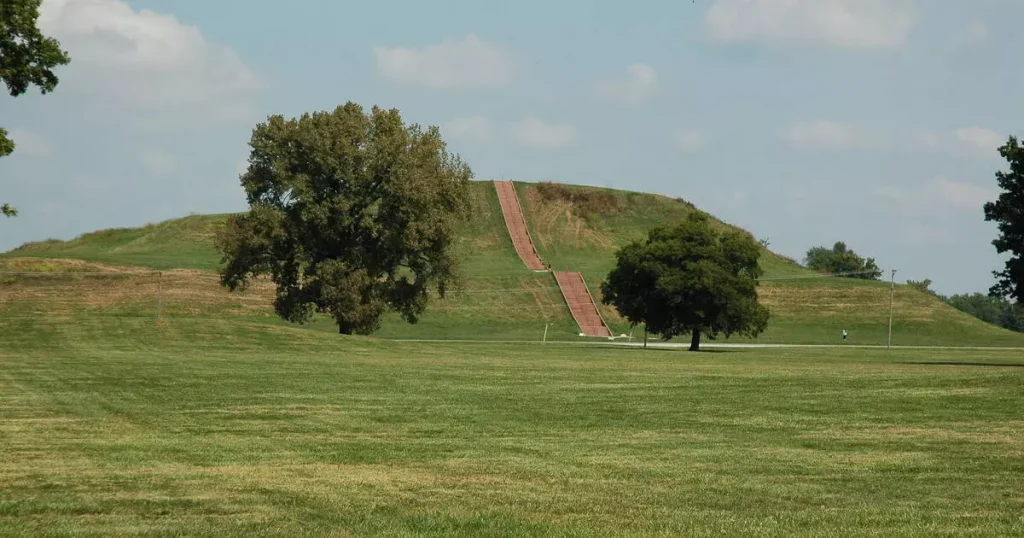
x: 645, y: 336
x: 695, y: 340
x: 346, y: 328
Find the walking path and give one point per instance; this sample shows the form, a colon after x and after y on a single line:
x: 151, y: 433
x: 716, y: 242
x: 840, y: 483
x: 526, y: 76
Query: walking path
x: 572, y: 285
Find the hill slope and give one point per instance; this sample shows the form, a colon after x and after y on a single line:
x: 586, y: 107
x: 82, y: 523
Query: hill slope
x: 575, y: 228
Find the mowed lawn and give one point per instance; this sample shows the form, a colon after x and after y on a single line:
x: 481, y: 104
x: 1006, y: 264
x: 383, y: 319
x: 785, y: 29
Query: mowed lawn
x: 273, y: 431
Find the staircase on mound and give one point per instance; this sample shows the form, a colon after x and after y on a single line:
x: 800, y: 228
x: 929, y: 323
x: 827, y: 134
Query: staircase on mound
x: 581, y: 304
x: 574, y: 289
x: 516, y: 224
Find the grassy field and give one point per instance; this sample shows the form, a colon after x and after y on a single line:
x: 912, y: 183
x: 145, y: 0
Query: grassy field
x: 138, y: 397
x: 125, y: 426
x: 500, y: 298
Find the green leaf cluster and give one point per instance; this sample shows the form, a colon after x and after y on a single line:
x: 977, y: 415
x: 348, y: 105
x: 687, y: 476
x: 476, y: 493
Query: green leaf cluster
x: 27, y: 57
x: 689, y: 278
x: 350, y: 213
x: 1007, y: 211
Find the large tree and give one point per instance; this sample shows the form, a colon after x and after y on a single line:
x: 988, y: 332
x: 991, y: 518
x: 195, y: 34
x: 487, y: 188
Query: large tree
x: 350, y: 213
x: 689, y: 278
x: 840, y: 260
x: 27, y: 57
x: 1008, y: 212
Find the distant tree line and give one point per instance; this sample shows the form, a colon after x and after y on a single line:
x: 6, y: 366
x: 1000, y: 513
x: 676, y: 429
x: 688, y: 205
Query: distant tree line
x: 995, y: 310
x: 998, y: 311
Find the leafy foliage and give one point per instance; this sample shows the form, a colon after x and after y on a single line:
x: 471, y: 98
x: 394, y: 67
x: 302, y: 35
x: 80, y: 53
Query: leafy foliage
x: 27, y: 57
x: 1008, y: 212
x: 350, y: 213
x: 689, y: 278
x: 842, y: 261
x: 994, y: 310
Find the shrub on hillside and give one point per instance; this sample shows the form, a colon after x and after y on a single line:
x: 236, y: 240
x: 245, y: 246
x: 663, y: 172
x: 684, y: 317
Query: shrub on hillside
x: 585, y: 202
x: 923, y: 286
x: 842, y: 261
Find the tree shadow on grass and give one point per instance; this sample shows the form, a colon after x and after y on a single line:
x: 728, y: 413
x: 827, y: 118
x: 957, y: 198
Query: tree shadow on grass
x: 963, y: 363
x: 683, y: 350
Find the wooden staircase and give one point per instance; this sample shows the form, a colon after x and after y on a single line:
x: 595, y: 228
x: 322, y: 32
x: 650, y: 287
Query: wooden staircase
x: 574, y: 288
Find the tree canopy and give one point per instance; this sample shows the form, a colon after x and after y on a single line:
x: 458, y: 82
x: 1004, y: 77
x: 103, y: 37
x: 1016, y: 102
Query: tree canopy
x: 27, y: 57
x: 842, y: 261
x: 689, y: 278
x: 1008, y: 213
x: 350, y: 213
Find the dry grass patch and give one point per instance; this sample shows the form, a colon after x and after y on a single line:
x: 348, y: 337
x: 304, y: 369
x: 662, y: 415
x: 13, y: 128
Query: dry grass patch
x: 93, y: 287
x: 834, y: 460
x: 555, y: 221
x: 867, y: 302
x: 920, y: 433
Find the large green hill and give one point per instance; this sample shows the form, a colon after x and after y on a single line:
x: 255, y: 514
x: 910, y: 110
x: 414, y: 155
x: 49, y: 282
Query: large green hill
x: 575, y: 228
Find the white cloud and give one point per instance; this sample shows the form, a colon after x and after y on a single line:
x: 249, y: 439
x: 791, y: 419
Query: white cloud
x: 938, y: 196
x: 467, y: 64
x: 158, y: 162
x: 639, y: 85
x: 689, y: 140
x: 979, y: 140
x: 822, y: 134
x: 536, y: 133
x: 974, y: 34
x: 841, y: 23
x: 149, y: 59
x: 962, y: 195
x: 474, y: 128
x: 928, y: 140
x: 890, y: 192
x: 30, y: 144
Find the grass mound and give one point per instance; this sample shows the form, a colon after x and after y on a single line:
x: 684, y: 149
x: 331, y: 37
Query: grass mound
x: 180, y: 243
x: 575, y: 228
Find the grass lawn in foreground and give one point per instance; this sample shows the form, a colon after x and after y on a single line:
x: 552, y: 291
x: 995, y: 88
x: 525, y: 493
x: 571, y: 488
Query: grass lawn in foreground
x: 218, y: 428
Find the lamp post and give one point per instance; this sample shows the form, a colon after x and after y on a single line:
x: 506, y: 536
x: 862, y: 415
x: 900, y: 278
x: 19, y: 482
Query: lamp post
x: 892, y: 292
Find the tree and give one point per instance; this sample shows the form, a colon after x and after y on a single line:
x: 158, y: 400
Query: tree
x: 689, y: 278
x: 1008, y: 212
x: 923, y: 286
x: 1013, y: 317
x: 350, y: 213
x: 843, y: 261
x: 27, y: 57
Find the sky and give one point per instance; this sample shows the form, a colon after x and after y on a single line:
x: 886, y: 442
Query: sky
x: 806, y: 122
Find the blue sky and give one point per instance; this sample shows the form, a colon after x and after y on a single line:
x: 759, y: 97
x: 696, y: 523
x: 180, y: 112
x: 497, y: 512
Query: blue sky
x: 875, y: 122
